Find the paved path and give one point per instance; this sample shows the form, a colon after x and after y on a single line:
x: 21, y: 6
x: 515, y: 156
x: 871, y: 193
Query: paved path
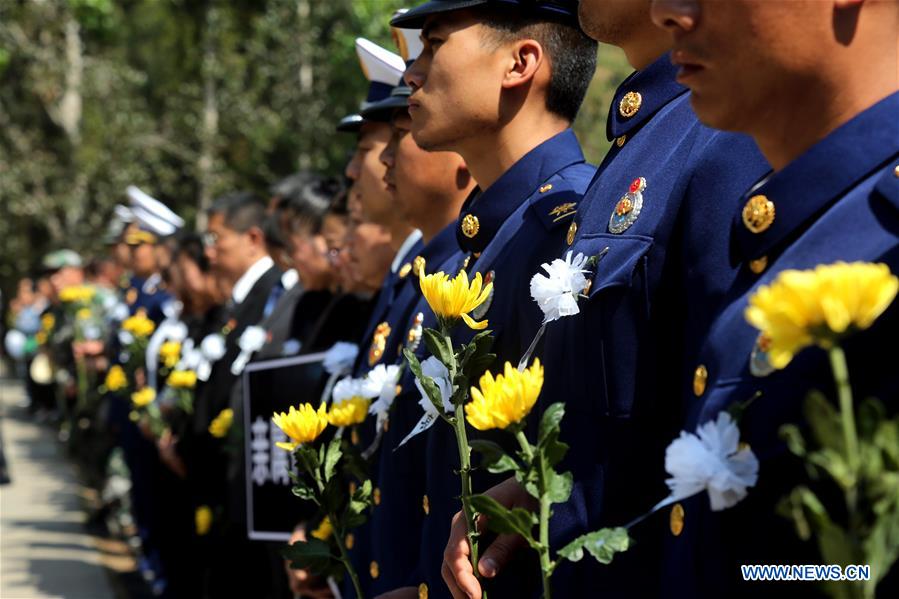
x: 44, y: 548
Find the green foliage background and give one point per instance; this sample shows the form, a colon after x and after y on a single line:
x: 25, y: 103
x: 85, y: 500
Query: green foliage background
x: 96, y: 95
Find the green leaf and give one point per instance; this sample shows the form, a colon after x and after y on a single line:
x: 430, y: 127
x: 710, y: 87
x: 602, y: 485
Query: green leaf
x: 439, y: 346
x: 558, y: 486
x: 361, y: 499
x: 602, y: 545
x: 495, y: 460
x: 312, y: 554
x: 332, y: 456
x: 304, y: 491
x: 550, y: 421
x: 793, y: 438
x: 427, y: 383
x: 824, y: 421
x: 834, y: 463
x: 503, y: 520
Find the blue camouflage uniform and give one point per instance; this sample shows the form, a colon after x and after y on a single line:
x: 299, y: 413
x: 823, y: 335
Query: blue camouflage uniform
x: 655, y: 216
x: 839, y: 201
x: 505, y: 232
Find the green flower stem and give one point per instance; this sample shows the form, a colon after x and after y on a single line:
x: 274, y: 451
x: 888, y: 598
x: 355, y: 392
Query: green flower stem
x: 338, y: 534
x: 546, y: 565
x: 847, y: 414
x: 458, y: 423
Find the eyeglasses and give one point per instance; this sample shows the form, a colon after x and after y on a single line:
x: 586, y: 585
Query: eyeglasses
x: 210, y: 238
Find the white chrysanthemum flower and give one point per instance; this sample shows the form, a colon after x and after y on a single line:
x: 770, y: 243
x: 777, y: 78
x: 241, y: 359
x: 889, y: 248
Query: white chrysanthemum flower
x: 252, y: 339
x: 712, y: 461
x: 213, y: 347
x: 348, y: 387
x: 125, y: 338
x: 556, y: 292
x: 381, y: 384
x: 340, y: 357
x: 436, y: 370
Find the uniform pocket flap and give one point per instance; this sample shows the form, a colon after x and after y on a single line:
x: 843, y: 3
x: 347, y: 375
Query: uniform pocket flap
x: 619, y: 256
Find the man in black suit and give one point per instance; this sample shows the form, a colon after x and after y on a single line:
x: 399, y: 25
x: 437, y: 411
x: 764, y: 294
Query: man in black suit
x: 236, y: 248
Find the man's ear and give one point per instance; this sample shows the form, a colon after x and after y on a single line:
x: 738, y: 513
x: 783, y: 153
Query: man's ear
x: 525, y: 59
x: 257, y: 237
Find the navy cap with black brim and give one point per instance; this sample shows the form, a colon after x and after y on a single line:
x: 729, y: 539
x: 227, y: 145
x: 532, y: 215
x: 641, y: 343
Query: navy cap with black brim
x: 414, y: 18
x: 351, y: 123
x: 383, y: 111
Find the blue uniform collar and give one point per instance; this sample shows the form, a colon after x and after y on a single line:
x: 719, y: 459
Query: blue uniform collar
x: 493, y: 206
x: 441, y: 247
x: 656, y: 86
x: 819, y: 177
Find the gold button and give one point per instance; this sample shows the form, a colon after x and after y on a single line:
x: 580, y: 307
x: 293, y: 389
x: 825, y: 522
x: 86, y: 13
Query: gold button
x: 422, y: 591
x: 676, y: 521
x: 630, y: 104
x: 545, y: 188
x: 700, y: 377
x: 374, y: 570
x: 572, y: 231
x: 896, y: 171
x: 758, y: 214
x: 470, y: 225
x: 620, y: 140
x: 418, y: 266
x: 376, y: 495
x: 352, y: 487
x: 349, y: 541
x: 405, y: 269
x: 426, y: 505
x: 758, y: 265
x: 354, y: 437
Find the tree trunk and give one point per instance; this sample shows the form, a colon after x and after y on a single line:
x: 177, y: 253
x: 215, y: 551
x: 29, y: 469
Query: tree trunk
x: 210, y: 120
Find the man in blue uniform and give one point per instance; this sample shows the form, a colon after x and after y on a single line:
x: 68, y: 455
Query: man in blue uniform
x: 824, y: 110
x: 661, y: 197
x: 499, y: 83
x: 428, y: 189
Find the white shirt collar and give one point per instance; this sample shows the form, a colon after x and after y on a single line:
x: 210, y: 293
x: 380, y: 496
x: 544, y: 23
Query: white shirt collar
x: 289, y: 279
x: 245, y: 283
x: 400, y: 257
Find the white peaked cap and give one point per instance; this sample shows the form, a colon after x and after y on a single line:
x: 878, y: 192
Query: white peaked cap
x: 408, y: 41
x: 149, y: 221
x: 378, y: 64
x: 123, y: 213
x: 154, y: 208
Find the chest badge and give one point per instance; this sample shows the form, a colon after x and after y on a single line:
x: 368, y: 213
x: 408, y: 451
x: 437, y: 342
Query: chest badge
x: 131, y: 296
x: 413, y: 337
x: 628, y: 207
x: 759, y: 364
x: 378, y: 343
x: 481, y: 311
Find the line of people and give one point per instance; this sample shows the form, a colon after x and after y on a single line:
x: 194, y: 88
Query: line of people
x: 752, y: 138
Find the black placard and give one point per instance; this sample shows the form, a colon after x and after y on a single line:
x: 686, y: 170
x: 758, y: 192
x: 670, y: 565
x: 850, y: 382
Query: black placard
x: 273, y: 386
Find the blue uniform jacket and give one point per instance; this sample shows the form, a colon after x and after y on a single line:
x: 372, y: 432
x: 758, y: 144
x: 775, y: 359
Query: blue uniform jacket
x: 837, y: 202
x: 661, y: 202
x: 521, y: 222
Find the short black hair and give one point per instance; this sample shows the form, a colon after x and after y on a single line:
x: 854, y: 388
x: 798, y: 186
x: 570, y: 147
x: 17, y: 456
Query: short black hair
x: 308, y: 206
x: 571, y: 53
x: 190, y: 245
x: 242, y: 210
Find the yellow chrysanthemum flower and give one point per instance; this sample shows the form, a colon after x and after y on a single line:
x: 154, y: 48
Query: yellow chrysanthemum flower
x: 349, y: 412
x: 506, y: 399
x: 144, y: 397
x: 221, y: 424
x: 452, y: 299
x: 139, y: 325
x: 83, y: 314
x: 182, y: 379
x: 116, y: 379
x: 76, y: 293
x: 302, y: 425
x: 170, y: 353
x: 324, y: 530
x: 203, y: 520
x: 805, y: 307
x: 48, y: 321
